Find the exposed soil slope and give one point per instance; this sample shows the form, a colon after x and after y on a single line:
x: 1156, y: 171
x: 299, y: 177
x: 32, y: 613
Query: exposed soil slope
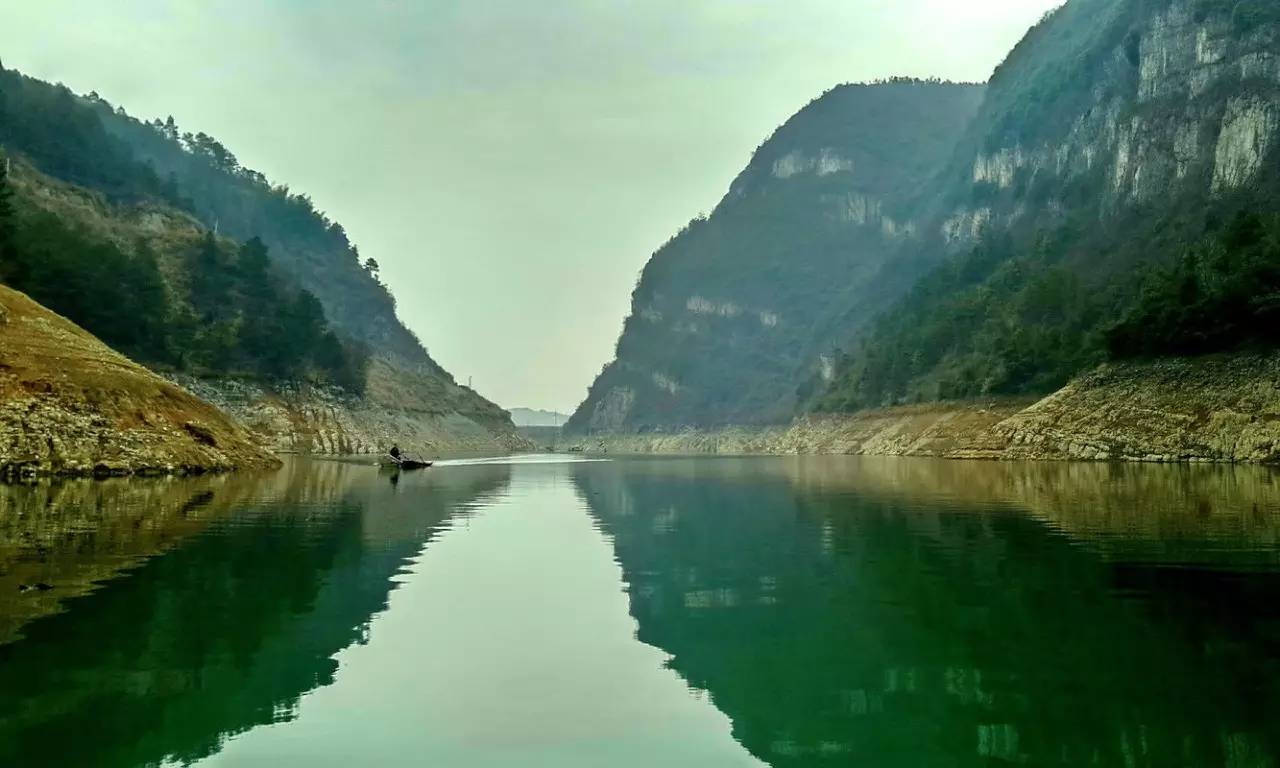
x: 71, y: 405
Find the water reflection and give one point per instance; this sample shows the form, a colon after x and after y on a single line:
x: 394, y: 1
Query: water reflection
x: 837, y: 611
x: 848, y: 611
x: 220, y: 634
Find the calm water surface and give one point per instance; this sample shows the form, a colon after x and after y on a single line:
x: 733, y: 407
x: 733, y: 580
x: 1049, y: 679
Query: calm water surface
x: 646, y: 612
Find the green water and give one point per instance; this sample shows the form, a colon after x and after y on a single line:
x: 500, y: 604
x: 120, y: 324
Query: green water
x: 646, y: 612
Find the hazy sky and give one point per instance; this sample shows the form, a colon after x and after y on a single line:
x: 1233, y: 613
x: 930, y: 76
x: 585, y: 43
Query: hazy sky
x: 510, y: 163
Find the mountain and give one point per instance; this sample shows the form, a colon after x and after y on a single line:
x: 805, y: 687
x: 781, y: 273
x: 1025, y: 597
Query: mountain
x: 71, y: 405
x: 1116, y: 196
x: 1112, y: 194
x: 530, y: 417
x: 160, y: 242
x: 742, y: 305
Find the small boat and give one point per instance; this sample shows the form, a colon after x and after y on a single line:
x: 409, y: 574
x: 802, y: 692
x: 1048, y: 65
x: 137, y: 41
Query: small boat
x: 392, y: 464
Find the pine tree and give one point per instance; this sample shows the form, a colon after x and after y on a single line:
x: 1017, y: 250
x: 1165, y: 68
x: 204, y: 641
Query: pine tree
x: 260, y: 328
x: 149, y: 302
x: 210, y: 281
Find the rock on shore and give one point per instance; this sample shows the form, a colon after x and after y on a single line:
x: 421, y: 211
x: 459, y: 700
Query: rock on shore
x: 70, y: 405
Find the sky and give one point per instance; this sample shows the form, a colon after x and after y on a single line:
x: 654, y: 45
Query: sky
x: 511, y: 164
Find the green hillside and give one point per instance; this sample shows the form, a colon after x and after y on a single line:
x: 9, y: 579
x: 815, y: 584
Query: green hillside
x: 163, y: 244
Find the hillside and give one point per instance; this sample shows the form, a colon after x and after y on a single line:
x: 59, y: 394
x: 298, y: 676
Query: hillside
x: 112, y: 222
x: 1115, y: 197
x: 740, y: 307
x: 70, y: 405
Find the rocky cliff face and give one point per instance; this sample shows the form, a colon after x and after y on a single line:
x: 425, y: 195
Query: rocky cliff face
x: 739, y: 307
x: 1131, y: 100
x: 70, y: 405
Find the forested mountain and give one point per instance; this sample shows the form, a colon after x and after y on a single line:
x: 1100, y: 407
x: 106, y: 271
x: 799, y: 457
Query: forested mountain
x: 160, y: 242
x: 243, y: 204
x: 737, y: 308
x: 1115, y: 194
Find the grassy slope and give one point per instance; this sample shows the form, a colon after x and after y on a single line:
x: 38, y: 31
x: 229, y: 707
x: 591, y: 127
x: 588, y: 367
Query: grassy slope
x: 74, y: 405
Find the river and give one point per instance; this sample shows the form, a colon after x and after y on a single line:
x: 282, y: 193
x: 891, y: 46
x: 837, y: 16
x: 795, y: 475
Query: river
x: 541, y: 611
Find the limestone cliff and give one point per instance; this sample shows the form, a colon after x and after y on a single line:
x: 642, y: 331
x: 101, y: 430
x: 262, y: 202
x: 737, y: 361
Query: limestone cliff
x: 1136, y: 100
x: 1115, y: 137
x: 70, y: 405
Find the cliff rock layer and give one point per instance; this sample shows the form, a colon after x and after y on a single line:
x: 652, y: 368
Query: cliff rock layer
x: 70, y: 405
x: 1114, y: 139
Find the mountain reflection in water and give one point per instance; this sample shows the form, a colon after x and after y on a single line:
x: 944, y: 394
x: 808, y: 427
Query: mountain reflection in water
x: 228, y: 629
x: 839, y: 611
x: 917, y: 613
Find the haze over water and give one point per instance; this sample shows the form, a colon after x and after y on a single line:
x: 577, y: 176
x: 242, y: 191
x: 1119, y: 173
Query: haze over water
x: 676, y: 612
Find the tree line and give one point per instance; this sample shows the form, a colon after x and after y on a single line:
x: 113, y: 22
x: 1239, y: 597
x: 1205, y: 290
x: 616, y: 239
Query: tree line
x: 1222, y: 294
x: 1004, y: 320
x: 233, y: 316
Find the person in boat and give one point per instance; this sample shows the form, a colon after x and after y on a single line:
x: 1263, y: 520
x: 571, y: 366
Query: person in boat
x: 395, y: 454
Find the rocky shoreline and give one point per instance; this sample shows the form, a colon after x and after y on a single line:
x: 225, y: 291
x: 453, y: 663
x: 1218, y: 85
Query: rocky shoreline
x: 327, y: 421
x: 1223, y: 409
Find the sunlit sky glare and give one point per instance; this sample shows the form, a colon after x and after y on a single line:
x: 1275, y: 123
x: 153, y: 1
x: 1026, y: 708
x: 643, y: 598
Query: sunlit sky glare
x: 510, y: 163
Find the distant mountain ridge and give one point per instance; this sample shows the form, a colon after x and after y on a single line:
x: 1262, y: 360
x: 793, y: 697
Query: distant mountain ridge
x: 532, y: 417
